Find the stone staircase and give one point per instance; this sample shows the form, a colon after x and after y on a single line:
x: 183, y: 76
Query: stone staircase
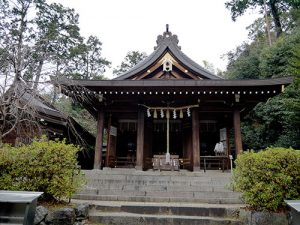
x: 154, y: 186
x: 127, y: 196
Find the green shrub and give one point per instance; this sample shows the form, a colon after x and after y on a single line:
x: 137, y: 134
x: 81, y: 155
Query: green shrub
x: 268, y: 177
x: 47, y: 166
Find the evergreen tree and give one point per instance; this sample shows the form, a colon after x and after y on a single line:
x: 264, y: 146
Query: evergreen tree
x: 131, y: 59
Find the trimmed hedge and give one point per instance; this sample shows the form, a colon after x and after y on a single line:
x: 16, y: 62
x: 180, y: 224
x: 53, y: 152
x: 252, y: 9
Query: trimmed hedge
x: 47, y: 166
x: 268, y: 177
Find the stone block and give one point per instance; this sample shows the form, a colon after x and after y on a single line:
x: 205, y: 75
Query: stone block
x: 263, y: 218
x: 40, y: 214
x: 82, y: 211
x: 63, y: 216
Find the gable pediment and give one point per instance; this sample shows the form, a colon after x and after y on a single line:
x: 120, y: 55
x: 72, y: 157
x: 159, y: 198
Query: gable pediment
x: 167, y: 62
x: 167, y: 67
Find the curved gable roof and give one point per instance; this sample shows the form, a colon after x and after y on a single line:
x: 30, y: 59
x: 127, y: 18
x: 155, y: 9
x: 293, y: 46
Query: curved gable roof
x: 167, y: 43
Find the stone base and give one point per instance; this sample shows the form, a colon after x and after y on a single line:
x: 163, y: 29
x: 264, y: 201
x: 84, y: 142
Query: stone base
x: 107, y: 168
x: 139, y: 168
x: 196, y: 169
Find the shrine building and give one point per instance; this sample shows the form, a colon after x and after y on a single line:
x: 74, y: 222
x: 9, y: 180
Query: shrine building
x: 169, y: 106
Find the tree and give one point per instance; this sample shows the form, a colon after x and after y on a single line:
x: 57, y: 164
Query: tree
x: 277, y: 60
x: 16, y: 35
x: 86, y: 61
x: 35, y: 34
x: 17, y: 113
x: 275, y: 7
x: 44, y: 39
x: 38, y: 39
x: 81, y: 115
x: 243, y: 63
x: 57, y: 32
x: 276, y: 122
x: 131, y: 59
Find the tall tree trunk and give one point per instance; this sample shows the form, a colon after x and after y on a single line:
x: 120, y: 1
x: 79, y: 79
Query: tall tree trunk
x: 267, y: 23
x: 87, y: 66
x: 19, y: 59
x: 276, y: 18
x: 54, y: 88
x: 38, y: 73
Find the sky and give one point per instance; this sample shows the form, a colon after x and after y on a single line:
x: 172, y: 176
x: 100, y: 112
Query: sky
x: 204, y: 27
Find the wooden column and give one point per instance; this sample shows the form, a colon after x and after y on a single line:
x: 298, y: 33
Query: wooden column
x: 99, y: 140
x: 108, y: 146
x: 140, y: 140
x: 237, y: 131
x: 196, y: 140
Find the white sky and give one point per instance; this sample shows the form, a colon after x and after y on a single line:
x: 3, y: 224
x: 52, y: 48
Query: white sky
x: 204, y: 27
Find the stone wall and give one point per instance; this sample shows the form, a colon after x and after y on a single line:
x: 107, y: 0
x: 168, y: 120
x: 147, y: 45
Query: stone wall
x: 263, y: 218
x: 63, y: 216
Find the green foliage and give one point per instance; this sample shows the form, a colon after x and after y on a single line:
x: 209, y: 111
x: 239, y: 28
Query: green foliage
x: 276, y: 122
x: 47, y: 166
x: 276, y: 8
x: 211, y: 68
x: 244, y: 62
x: 268, y: 177
x: 81, y: 115
x: 277, y: 60
x: 131, y: 59
x: 86, y: 61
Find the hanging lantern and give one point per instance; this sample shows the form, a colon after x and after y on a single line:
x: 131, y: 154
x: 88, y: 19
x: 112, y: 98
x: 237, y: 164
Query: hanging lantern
x: 162, y: 113
x: 188, y: 111
x: 168, y: 114
x: 148, y: 112
x: 155, y: 114
x: 181, y: 114
x: 174, y: 114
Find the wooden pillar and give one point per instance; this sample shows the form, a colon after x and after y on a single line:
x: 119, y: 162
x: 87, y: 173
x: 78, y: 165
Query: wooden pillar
x: 196, y: 140
x: 237, y: 132
x: 99, y: 140
x: 140, y: 140
x: 108, y: 146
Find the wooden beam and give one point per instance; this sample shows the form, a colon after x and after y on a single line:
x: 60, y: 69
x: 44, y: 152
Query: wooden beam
x: 182, y: 69
x: 99, y: 140
x: 196, y: 139
x: 237, y: 131
x: 140, y: 140
x: 152, y: 69
x: 158, y: 75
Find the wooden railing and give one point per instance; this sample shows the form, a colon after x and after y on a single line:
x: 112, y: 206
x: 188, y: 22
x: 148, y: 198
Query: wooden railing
x: 219, y: 161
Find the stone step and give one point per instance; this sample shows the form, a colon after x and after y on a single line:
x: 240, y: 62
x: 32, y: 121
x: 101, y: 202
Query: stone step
x: 149, y: 175
x: 165, y: 193
x: 194, y: 182
x: 156, y: 187
x: 157, y: 179
x: 122, y: 218
x: 174, y: 174
x: 212, y: 175
x: 135, y: 198
x: 183, y: 209
x: 132, y: 171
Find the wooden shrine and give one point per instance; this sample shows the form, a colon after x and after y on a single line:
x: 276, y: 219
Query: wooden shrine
x: 168, y: 105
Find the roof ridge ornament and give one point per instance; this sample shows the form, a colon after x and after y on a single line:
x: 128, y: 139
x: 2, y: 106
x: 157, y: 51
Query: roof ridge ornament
x: 167, y: 38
